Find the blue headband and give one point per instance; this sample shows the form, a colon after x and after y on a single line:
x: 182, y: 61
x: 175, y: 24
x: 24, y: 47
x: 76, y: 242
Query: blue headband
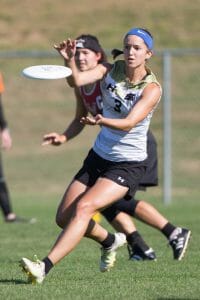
x: 143, y: 35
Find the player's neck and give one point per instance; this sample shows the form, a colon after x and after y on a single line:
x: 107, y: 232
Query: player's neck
x: 137, y: 74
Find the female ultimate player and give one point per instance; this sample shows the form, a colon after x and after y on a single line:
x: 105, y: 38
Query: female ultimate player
x: 140, y: 209
x: 89, y: 100
x: 117, y: 162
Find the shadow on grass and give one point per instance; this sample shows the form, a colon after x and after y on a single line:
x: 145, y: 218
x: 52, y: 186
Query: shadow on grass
x: 13, y: 281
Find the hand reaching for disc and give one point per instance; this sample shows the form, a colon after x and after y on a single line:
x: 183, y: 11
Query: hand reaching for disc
x: 67, y: 49
x: 54, y: 139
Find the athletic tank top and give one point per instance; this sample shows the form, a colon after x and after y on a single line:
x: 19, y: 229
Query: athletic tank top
x: 93, y: 99
x: 119, y: 97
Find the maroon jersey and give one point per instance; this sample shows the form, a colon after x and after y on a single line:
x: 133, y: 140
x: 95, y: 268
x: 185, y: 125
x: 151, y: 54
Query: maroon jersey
x: 93, y: 99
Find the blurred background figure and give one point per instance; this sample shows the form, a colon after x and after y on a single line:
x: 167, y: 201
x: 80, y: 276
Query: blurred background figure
x: 6, y: 144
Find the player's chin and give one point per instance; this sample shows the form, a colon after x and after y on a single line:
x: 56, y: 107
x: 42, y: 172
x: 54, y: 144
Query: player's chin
x: 83, y: 68
x: 131, y: 63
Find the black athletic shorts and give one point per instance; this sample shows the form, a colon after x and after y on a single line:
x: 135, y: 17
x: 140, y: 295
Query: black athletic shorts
x: 126, y: 174
x: 151, y: 175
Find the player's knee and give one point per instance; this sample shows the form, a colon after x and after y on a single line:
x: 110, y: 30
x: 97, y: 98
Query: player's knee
x: 139, y: 206
x: 85, y: 209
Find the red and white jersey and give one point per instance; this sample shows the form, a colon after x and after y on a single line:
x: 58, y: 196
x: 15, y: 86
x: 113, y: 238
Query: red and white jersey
x: 93, y: 99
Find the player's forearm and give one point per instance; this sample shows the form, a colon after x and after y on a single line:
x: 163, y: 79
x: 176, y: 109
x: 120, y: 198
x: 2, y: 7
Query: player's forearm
x: 73, y: 130
x: 119, y: 124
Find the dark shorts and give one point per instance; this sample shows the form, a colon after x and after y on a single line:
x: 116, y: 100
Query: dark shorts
x: 150, y: 177
x: 127, y: 174
x: 122, y: 205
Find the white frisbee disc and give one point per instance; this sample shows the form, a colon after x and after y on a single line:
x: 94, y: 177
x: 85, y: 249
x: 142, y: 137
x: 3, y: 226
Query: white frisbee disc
x: 47, y: 72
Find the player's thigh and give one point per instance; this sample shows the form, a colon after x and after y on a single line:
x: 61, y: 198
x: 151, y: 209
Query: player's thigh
x: 103, y: 193
x: 72, y: 194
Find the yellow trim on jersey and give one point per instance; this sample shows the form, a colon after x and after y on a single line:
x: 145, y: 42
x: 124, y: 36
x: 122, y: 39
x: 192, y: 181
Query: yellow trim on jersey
x: 119, y: 75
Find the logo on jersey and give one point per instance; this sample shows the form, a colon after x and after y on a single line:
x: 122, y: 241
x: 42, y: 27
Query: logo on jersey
x: 130, y: 97
x: 111, y: 87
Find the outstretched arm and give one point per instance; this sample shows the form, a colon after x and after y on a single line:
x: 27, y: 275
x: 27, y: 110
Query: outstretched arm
x: 67, y: 50
x: 72, y: 130
x: 150, y: 97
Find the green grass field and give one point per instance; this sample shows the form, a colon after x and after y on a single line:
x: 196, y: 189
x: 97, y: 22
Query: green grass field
x: 37, y: 176
x: 78, y: 275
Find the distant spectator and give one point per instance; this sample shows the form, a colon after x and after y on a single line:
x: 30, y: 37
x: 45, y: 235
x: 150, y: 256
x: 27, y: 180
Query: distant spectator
x: 6, y: 143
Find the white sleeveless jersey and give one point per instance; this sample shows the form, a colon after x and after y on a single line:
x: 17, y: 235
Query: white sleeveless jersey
x: 119, y: 98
